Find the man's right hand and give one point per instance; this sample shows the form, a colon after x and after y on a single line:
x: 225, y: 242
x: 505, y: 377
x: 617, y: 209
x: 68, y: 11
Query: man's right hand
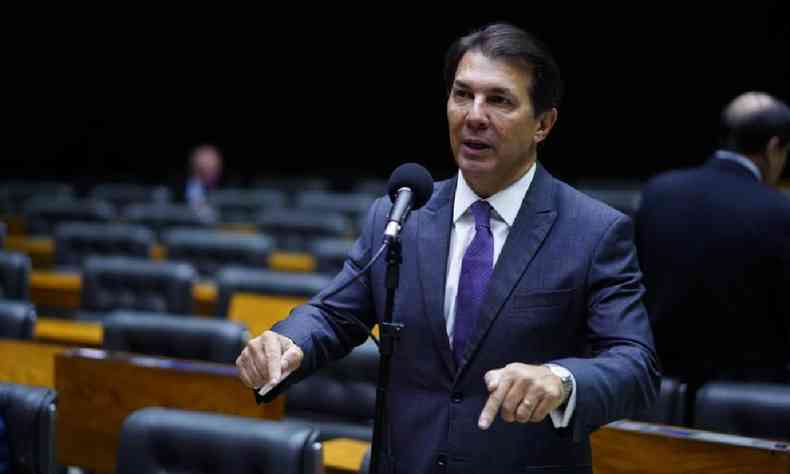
x: 267, y: 360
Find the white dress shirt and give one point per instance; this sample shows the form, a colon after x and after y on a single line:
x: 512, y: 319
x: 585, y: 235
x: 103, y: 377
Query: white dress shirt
x: 505, y: 205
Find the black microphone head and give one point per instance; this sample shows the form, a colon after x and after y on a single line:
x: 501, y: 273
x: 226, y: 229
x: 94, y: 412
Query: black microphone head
x: 414, y: 177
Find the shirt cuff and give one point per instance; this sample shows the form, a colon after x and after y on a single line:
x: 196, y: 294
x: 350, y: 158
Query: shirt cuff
x: 561, y: 417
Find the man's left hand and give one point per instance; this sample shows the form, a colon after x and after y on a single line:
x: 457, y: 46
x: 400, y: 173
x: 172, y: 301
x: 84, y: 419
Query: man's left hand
x: 522, y: 393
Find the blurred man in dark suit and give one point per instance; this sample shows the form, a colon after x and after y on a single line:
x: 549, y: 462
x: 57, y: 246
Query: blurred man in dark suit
x: 714, y: 243
x: 205, y: 164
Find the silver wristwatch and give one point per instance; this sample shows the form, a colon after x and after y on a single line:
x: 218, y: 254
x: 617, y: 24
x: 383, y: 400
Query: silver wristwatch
x: 566, y: 379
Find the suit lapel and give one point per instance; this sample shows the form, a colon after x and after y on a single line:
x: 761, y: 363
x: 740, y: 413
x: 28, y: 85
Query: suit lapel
x: 433, y: 246
x: 532, y: 224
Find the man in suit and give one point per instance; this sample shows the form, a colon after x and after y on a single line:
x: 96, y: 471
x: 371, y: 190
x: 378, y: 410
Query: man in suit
x: 714, y: 242
x: 205, y: 164
x: 521, y: 297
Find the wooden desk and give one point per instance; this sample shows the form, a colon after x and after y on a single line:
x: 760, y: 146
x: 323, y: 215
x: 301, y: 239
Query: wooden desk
x: 42, y: 254
x: 627, y: 447
x: 28, y: 363
x: 97, y: 390
x: 80, y: 333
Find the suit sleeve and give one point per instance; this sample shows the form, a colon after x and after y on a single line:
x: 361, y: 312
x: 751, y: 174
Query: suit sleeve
x: 621, y: 378
x: 324, y: 328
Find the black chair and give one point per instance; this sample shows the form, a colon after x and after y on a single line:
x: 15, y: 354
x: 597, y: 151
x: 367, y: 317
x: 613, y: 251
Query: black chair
x: 753, y: 409
x: 157, y: 440
x: 14, y: 195
x: 17, y: 320
x: 290, y: 184
x: 352, y: 205
x: 330, y: 254
x: 77, y: 241
x: 347, y: 404
x: 294, y: 229
x: 243, y: 205
x: 625, y: 197
x: 127, y: 283
x: 29, y: 414
x: 670, y: 409
x: 43, y: 215
x: 210, y: 250
x: 122, y: 195
x: 164, y: 335
x: 3, y: 232
x: 14, y: 276
x: 231, y: 280
x: 163, y: 217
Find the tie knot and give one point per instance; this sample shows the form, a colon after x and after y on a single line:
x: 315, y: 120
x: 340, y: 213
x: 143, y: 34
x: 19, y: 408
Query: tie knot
x: 482, y: 212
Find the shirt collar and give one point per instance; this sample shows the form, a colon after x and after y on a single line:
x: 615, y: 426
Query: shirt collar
x: 506, y: 203
x: 740, y: 159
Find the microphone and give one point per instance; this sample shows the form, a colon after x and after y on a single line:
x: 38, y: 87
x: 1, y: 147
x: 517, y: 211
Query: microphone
x: 410, y: 187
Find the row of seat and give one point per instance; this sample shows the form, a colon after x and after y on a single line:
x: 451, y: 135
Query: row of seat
x: 163, y: 440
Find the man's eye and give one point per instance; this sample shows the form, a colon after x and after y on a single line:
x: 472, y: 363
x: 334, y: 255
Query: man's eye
x: 461, y: 94
x: 499, y: 100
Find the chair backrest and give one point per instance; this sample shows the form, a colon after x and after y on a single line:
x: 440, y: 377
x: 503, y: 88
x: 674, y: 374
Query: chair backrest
x: 265, y: 282
x: 14, y: 195
x: 3, y: 231
x: 14, y: 276
x: 244, y: 205
x: 162, y: 217
x: 754, y: 409
x: 162, y: 440
x: 125, y: 194
x: 210, y: 340
x: 43, y: 215
x: 128, y: 283
x: 208, y: 250
x: 77, y: 241
x: 347, y: 388
x: 670, y: 409
x: 330, y: 254
x: 350, y: 204
x: 293, y: 229
x: 29, y: 414
x: 17, y: 320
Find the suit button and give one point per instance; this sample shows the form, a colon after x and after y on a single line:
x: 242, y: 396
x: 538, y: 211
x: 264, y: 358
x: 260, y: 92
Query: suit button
x: 457, y: 397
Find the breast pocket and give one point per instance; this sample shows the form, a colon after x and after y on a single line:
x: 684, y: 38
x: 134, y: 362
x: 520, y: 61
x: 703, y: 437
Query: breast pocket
x: 525, y: 300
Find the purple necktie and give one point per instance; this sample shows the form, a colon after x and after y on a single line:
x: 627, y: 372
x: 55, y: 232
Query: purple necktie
x: 476, y: 268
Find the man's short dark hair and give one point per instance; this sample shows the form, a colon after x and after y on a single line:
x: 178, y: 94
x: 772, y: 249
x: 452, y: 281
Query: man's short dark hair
x: 748, y: 131
x: 507, y: 42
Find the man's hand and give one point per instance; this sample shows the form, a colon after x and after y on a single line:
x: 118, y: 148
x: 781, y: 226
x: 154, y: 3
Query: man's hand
x: 267, y: 360
x: 523, y: 393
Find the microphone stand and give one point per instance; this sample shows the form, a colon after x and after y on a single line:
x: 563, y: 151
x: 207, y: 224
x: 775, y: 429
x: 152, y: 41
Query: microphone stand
x: 382, y: 460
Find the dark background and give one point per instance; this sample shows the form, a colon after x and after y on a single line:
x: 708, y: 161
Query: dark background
x: 113, y: 96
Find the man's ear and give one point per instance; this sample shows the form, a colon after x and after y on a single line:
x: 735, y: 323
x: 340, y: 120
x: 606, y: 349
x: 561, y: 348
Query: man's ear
x: 546, y: 122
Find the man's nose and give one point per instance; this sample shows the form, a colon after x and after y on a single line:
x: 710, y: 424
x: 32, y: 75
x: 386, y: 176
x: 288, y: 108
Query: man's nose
x: 477, y: 117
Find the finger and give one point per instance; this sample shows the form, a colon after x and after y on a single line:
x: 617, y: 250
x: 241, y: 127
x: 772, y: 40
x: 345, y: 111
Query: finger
x: 491, y: 379
x: 256, y: 355
x: 524, y: 411
x: 273, y: 354
x: 244, y: 372
x: 291, y: 360
x: 542, y: 408
x: 493, y: 403
x: 513, y: 399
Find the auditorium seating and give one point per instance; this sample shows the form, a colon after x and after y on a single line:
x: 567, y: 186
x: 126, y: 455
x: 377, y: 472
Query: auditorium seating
x: 43, y: 215
x: 16, y: 320
x: 292, y: 184
x: 162, y: 217
x: 294, y: 229
x: 267, y: 282
x: 208, y: 250
x: 3, y: 232
x: 375, y: 187
x: 127, y: 283
x: 330, y: 254
x: 745, y: 408
x: 14, y: 276
x: 76, y: 241
x: 29, y: 414
x: 350, y: 204
x: 157, y: 440
x: 209, y: 340
x: 670, y: 408
x: 347, y: 403
x: 237, y: 205
x: 122, y: 195
x: 15, y: 194
x: 625, y: 196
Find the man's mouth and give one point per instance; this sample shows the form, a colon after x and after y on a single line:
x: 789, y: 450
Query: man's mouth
x: 477, y: 145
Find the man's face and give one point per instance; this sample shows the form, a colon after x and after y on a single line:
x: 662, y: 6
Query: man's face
x: 777, y: 160
x: 493, y: 128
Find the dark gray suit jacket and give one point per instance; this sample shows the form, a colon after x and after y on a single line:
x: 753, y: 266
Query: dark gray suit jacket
x: 566, y: 289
